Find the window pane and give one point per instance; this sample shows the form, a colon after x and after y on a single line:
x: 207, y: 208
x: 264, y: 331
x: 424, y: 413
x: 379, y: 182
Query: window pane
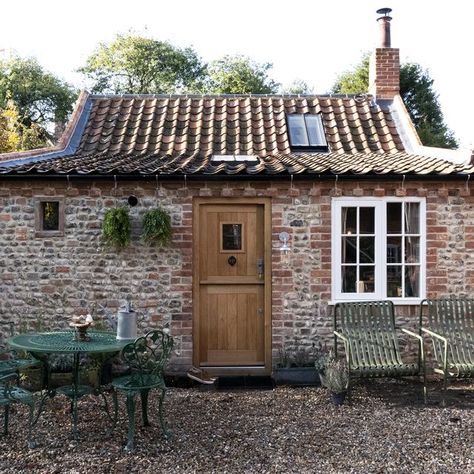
x: 50, y: 211
x: 412, y: 218
x: 394, y: 250
x: 349, y: 250
x: 366, y: 251
x: 394, y: 281
x: 349, y: 278
x: 412, y: 280
x: 367, y: 276
x: 412, y: 249
x: 349, y: 220
x: 315, y: 130
x: 297, y: 129
x: 367, y: 220
x: 394, y: 218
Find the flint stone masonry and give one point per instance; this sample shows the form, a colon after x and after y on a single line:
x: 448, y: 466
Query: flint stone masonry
x: 45, y: 281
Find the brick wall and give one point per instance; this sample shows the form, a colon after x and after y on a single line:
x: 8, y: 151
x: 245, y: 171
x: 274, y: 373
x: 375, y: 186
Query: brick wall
x: 51, y: 279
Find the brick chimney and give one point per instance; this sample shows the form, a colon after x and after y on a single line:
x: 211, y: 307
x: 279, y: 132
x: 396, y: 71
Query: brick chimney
x: 384, y: 69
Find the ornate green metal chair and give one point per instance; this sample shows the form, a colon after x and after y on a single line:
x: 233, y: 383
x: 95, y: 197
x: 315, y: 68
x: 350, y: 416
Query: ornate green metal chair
x: 371, y: 341
x: 450, y: 324
x: 10, y: 361
x: 10, y: 393
x: 147, y: 357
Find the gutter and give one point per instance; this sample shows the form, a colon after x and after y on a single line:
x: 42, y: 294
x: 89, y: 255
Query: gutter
x: 257, y: 177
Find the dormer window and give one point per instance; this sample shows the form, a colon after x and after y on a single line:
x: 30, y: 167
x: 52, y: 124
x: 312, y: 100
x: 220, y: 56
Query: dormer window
x: 306, y: 132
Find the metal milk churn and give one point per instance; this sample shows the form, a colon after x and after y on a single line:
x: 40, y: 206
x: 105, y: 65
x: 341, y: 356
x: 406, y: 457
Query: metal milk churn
x: 126, y: 322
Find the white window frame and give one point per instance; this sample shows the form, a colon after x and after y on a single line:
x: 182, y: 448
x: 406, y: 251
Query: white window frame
x: 379, y: 205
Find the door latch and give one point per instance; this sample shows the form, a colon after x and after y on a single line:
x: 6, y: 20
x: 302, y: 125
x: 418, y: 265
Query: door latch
x: 260, y: 268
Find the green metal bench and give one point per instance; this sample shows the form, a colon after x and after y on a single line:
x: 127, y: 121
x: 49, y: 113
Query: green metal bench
x: 450, y: 324
x: 147, y: 357
x: 10, y: 393
x: 371, y: 341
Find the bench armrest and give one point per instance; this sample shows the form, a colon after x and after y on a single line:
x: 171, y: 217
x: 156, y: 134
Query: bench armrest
x: 340, y: 336
x: 411, y: 333
x: 347, y: 346
x: 435, y: 334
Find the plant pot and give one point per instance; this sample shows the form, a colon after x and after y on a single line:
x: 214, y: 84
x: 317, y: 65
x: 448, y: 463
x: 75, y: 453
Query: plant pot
x: 338, y: 398
x: 89, y: 376
x: 32, y: 378
x: 297, y: 376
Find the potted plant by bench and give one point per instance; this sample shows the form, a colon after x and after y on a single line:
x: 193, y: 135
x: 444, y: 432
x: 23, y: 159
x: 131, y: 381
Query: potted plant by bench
x: 335, y: 377
x: 296, y: 365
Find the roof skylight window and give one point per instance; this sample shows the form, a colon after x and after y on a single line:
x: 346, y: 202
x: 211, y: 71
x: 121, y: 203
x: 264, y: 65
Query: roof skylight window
x: 306, y: 132
x: 234, y: 158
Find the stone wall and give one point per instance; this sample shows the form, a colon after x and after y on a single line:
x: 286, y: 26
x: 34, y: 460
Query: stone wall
x: 44, y: 281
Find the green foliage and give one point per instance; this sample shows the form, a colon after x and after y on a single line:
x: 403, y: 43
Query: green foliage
x: 418, y: 94
x: 240, y: 75
x: 298, y: 86
x: 416, y: 89
x: 157, y: 227
x: 116, y: 228
x: 355, y: 81
x: 39, y: 98
x: 137, y: 65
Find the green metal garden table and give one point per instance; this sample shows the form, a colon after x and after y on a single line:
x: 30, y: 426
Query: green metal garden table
x: 40, y: 345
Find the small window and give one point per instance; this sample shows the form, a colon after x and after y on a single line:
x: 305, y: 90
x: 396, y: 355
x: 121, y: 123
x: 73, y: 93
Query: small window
x: 49, y: 218
x: 306, y: 132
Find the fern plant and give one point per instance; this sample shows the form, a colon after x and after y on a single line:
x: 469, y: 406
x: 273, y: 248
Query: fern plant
x: 157, y: 227
x: 116, y: 228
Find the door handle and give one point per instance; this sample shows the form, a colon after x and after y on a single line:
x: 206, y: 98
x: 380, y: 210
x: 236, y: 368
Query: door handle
x: 260, y: 311
x: 260, y: 268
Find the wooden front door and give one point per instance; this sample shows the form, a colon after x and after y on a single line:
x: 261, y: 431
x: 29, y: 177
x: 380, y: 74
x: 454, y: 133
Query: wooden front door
x: 232, y: 270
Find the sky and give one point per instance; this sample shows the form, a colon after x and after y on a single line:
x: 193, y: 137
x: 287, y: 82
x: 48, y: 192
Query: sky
x: 313, y: 40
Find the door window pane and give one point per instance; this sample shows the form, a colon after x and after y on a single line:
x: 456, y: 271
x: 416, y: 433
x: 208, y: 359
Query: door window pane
x: 231, y: 236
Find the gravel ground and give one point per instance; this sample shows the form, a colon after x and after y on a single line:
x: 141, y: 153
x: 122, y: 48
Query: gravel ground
x: 385, y: 429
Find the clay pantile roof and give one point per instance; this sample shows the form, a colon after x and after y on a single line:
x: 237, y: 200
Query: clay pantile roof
x: 156, y: 134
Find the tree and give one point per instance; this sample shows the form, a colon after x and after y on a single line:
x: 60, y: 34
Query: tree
x: 418, y: 94
x: 298, y: 86
x: 14, y: 135
x: 39, y: 97
x: 240, y: 75
x: 137, y: 65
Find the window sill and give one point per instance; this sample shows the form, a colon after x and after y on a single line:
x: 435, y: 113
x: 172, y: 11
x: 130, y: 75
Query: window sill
x: 49, y: 233
x: 396, y: 301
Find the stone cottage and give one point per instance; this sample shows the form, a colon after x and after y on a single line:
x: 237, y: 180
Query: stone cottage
x: 280, y: 205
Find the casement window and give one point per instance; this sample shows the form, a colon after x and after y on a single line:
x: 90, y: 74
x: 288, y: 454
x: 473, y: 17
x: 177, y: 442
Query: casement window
x: 306, y: 132
x: 49, y: 217
x: 378, y: 249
